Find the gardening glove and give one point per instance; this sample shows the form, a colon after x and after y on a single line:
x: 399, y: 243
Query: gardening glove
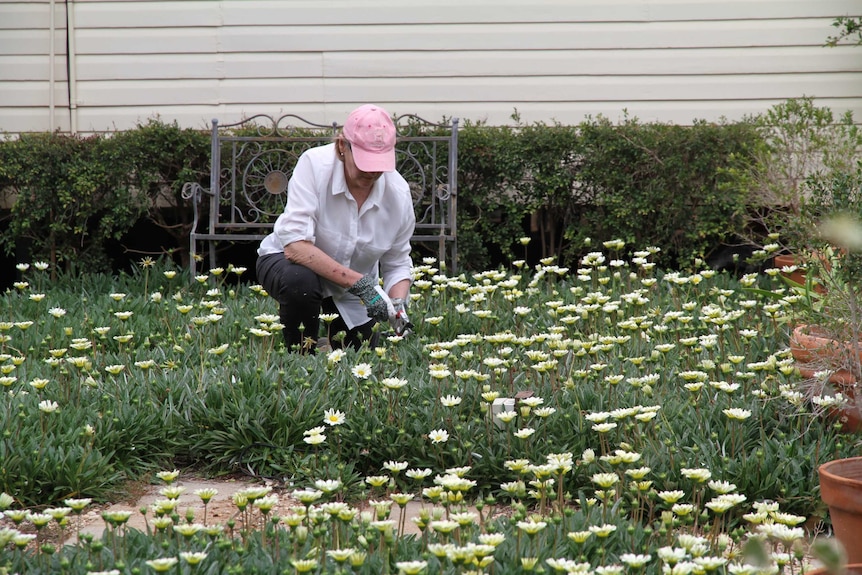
x: 377, y: 303
x: 400, y: 322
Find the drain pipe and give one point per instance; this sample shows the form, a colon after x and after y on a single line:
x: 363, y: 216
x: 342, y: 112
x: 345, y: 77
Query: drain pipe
x: 51, y: 57
x: 70, y: 66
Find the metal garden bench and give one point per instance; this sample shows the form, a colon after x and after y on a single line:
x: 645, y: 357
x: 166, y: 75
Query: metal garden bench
x: 251, y: 162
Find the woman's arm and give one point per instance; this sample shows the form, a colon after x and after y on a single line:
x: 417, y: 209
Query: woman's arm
x: 307, y: 254
x: 400, y: 289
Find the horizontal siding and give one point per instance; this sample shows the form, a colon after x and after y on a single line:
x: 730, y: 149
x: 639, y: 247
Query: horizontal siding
x: 739, y: 61
x: 129, y: 13
x: 701, y: 62
x: 96, y: 119
x: 454, y: 37
x: 28, y: 68
x: 519, y: 11
x: 552, y: 60
x: 547, y: 89
x: 109, y: 67
x: 31, y: 42
x: 32, y: 15
x: 594, y: 89
x: 37, y: 119
x: 29, y: 94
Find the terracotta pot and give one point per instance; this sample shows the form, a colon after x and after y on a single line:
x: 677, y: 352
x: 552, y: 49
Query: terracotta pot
x: 814, y: 353
x: 853, y: 569
x: 808, y: 346
x: 842, y: 382
x: 787, y: 260
x: 797, y: 276
x: 841, y: 490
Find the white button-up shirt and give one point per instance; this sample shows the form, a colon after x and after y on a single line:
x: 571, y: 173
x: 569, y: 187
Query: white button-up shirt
x: 320, y: 209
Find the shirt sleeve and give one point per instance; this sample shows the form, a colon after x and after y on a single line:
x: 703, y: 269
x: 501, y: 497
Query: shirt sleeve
x: 299, y: 220
x: 395, y: 264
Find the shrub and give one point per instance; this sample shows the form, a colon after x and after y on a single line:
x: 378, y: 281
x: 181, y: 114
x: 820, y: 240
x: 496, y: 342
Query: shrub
x: 163, y: 157
x: 660, y: 185
x: 797, y: 140
x: 490, y: 213
x: 72, y: 195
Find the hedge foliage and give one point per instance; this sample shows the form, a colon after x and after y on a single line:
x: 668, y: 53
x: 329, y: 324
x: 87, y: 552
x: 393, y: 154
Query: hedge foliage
x: 648, y: 183
x: 72, y: 195
x: 656, y: 184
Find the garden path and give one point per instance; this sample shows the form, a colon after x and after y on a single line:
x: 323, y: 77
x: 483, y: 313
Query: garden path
x: 219, y: 510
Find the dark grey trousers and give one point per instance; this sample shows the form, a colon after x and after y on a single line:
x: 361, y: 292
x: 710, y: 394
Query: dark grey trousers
x: 299, y: 293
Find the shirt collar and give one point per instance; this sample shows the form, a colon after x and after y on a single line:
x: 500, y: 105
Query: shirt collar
x: 339, y: 185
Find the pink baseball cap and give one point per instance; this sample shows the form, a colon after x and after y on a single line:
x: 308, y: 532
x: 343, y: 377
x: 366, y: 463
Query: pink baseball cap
x: 371, y: 134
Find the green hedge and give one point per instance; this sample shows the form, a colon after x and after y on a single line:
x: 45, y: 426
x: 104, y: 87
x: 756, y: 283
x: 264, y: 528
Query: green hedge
x: 71, y: 195
x: 647, y: 183
x: 661, y: 185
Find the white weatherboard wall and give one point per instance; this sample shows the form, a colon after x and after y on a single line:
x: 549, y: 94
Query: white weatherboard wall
x: 551, y: 60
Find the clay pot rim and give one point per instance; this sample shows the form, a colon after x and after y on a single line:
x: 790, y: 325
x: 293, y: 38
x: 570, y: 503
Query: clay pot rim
x: 791, y: 259
x: 828, y: 470
x: 812, y: 331
x: 808, y: 342
x: 849, y: 568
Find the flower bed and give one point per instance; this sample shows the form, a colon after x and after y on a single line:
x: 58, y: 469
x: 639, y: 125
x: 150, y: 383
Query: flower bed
x: 632, y: 420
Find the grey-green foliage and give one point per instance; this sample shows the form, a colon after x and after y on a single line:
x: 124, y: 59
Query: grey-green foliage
x: 210, y: 393
x: 798, y: 139
x: 832, y: 252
